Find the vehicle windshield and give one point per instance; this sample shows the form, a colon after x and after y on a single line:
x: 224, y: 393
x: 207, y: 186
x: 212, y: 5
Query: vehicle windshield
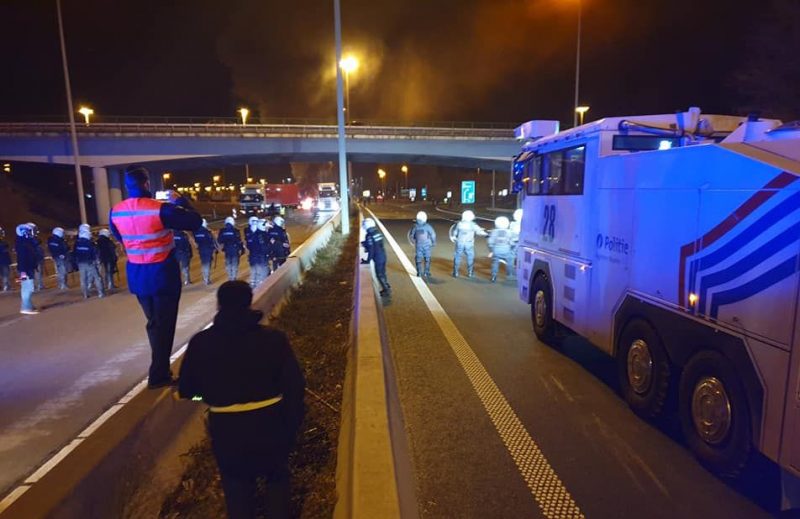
x: 250, y: 197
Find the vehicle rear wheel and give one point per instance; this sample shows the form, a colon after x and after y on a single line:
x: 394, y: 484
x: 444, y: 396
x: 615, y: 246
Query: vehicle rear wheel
x: 542, y: 309
x: 643, y: 368
x: 715, y: 417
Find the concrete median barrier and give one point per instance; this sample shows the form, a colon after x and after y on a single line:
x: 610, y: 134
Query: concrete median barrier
x: 112, y: 468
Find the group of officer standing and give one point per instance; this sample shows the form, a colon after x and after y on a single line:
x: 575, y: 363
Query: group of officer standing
x: 267, y: 243
x: 502, y: 242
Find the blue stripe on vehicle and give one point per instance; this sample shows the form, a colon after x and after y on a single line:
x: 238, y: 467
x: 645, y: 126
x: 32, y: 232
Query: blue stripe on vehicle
x: 745, y: 237
x: 751, y: 288
x: 749, y: 262
x: 144, y: 212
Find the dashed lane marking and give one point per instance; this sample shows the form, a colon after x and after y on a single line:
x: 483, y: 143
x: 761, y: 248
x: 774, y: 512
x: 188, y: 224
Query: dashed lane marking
x: 550, y: 494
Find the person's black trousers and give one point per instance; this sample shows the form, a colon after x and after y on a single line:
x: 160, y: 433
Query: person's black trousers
x: 162, y: 315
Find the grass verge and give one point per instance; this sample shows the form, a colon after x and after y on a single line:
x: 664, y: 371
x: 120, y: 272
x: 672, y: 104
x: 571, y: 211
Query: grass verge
x: 317, y: 320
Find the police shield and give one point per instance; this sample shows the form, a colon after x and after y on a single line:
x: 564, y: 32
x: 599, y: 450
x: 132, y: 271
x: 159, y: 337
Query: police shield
x: 410, y: 237
x: 452, y: 233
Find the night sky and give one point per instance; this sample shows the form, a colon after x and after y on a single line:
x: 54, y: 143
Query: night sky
x: 465, y: 60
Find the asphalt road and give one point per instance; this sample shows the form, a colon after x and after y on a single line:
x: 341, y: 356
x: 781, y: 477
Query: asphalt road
x: 610, y: 462
x: 64, y: 367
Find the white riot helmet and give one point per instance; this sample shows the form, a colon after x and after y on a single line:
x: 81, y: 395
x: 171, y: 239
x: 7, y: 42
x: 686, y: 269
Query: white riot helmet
x: 279, y: 221
x: 205, y: 223
x: 501, y: 222
x: 253, y: 222
x: 33, y: 228
x: 105, y: 232
x: 262, y: 225
x: 369, y: 223
x: 518, y: 215
x: 2, y: 233
x: 422, y: 217
x: 84, y: 231
x: 230, y: 221
x: 467, y: 216
x: 58, y: 231
x: 23, y: 230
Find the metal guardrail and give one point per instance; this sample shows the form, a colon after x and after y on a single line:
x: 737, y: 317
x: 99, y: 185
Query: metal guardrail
x: 298, y: 128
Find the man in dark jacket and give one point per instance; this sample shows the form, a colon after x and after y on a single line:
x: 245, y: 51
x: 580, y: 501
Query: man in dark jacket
x: 143, y: 226
x: 257, y: 249
x: 39, y: 249
x: 5, y: 263
x: 206, y: 248
x: 373, y: 244
x: 59, y: 251
x: 26, y: 267
x: 250, y: 378
x: 278, y: 242
x: 231, y: 242
x: 183, y: 252
x: 108, y: 257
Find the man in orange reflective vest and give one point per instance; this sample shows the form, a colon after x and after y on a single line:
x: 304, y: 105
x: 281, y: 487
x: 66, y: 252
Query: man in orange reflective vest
x: 144, y: 226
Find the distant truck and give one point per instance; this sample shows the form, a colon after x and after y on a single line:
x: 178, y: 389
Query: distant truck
x: 281, y: 196
x: 327, y: 197
x: 672, y: 242
x: 251, y: 200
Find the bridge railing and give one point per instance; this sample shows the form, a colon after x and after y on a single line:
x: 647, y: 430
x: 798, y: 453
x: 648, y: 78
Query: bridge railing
x: 203, y: 127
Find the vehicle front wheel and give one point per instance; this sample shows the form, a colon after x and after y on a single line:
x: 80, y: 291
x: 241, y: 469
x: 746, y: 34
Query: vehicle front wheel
x: 542, y: 309
x: 715, y: 417
x: 643, y: 368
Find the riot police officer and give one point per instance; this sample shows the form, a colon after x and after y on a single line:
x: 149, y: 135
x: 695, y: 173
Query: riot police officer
x: 424, y: 239
x: 373, y: 244
x: 515, y: 228
x: 257, y: 249
x: 59, y: 251
x: 278, y: 243
x: 85, y: 252
x: 500, y: 240
x: 107, y: 252
x: 183, y: 253
x: 37, y: 245
x: 5, y: 263
x: 206, y: 248
x: 464, y: 238
x: 231, y: 242
x: 26, y: 267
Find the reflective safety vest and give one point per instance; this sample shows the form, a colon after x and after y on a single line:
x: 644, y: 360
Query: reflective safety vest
x: 145, y: 238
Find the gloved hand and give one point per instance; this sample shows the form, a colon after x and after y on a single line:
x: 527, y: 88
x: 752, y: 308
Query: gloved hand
x: 364, y: 262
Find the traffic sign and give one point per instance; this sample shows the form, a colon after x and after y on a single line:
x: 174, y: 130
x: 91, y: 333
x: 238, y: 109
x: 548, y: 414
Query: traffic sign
x: 468, y: 192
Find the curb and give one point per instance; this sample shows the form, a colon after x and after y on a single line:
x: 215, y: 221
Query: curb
x: 96, y: 474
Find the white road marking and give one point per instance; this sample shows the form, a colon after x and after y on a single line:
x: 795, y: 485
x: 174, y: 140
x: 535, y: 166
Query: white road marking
x: 550, y: 494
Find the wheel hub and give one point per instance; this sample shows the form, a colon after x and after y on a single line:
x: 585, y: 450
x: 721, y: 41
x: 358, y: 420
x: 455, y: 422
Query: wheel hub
x: 711, y: 410
x: 540, y: 308
x: 640, y: 366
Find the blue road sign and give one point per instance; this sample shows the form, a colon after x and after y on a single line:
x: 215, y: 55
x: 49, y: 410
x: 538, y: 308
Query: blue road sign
x: 424, y: 192
x: 468, y: 192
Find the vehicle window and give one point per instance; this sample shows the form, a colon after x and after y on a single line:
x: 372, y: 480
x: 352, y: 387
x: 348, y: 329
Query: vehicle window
x: 644, y: 142
x: 552, y: 173
x: 533, y: 175
x: 574, y: 165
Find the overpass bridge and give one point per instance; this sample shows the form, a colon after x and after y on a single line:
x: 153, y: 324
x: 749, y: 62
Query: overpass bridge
x: 108, y: 146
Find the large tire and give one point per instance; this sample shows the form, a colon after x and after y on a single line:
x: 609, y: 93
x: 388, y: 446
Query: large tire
x: 643, y: 368
x: 544, y: 326
x: 715, y: 417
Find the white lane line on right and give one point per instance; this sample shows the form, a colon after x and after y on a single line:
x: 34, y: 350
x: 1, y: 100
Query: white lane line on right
x: 547, y: 489
x: 13, y: 496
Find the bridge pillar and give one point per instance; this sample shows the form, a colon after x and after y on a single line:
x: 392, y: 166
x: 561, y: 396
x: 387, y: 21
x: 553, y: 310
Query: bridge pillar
x: 115, y: 186
x: 101, y: 198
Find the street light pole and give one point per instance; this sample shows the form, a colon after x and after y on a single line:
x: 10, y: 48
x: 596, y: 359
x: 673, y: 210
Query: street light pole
x: 348, y: 119
x: 73, y: 130
x: 577, y: 66
x: 344, y: 203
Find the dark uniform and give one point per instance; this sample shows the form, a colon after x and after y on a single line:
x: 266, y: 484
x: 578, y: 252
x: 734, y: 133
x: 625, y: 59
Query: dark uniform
x: 85, y: 253
x: 237, y: 361
x: 183, y: 253
x: 278, y: 246
x: 39, y: 278
x: 59, y: 251
x: 206, y: 248
x: 108, y: 259
x: 373, y: 244
x: 231, y: 242
x: 257, y: 249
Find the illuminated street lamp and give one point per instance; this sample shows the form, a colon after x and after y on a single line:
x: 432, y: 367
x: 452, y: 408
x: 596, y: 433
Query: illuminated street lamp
x: 349, y: 64
x: 243, y: 112
x: 382, y: 176
x: 249, y: 180
x: 85, y: 111
x: 217, y: 178
x: 404, y: 169
x: 581, y: 111
x: 197, y: 185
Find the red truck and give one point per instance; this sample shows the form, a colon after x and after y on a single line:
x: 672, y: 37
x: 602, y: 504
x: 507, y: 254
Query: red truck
x: 282, y: 196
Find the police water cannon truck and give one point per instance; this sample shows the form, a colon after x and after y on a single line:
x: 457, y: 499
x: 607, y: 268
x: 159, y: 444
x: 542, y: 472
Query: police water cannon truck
x: 672, y: 242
